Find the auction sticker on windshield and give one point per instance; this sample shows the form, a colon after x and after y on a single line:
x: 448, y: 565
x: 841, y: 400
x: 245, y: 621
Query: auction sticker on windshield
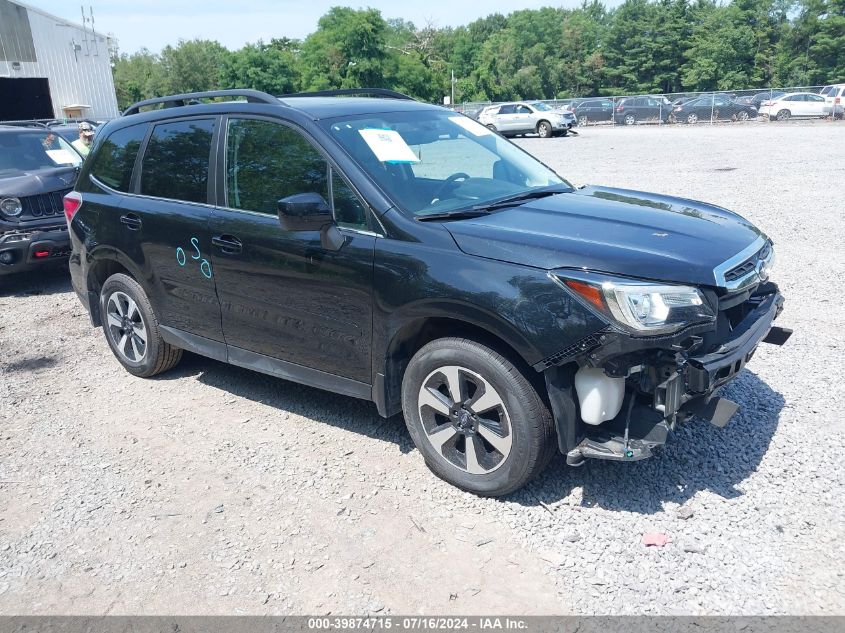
x: 389, y: 146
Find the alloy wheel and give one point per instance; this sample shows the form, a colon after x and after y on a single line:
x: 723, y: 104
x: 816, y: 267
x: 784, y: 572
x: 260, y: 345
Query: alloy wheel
x: 630, y: 119
x: 742, y: 116
x: 544, y: 130
x: 465, y: 419
x: 126, y: 327
x: 692, y: 119
x: 583, y: 120
x: 783, y: 115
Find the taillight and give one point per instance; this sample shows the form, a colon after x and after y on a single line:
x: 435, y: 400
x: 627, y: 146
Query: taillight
x: 619, y: 108
x: 72, y: 202
x: 837, y: 101
x: 767, y: 103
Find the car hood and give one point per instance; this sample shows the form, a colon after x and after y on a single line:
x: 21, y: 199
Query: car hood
x: 618, y: 231
x: 29, y: 183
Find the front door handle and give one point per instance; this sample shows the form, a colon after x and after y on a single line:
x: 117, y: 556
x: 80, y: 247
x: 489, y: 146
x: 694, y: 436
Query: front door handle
x: 229, y: 244
x: 132, y: 221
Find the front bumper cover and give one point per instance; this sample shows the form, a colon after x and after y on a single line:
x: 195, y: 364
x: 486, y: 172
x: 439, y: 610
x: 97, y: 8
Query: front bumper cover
x: 24, y: 249
x: 641, y: 427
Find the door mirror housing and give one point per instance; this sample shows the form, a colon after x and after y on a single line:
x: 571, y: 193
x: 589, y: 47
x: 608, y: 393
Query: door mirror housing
x: 304, y: 212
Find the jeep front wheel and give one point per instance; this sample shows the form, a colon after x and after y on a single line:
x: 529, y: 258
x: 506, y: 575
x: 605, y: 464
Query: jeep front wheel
x: 478, y: 422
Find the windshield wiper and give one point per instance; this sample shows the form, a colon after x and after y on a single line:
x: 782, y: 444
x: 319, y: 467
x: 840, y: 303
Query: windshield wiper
x: 531, y: 194
x: 460, y: 214
x: 488, y: 207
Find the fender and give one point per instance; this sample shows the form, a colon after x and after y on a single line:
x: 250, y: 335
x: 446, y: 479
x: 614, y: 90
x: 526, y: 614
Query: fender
x: 107, y: 253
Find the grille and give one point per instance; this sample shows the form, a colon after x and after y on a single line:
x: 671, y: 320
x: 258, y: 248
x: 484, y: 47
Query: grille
x: 748, y: 265
x: 44, y: 204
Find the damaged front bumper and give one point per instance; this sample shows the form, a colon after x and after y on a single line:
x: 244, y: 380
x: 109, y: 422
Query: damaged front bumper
x: 667, y: 380
x: 26, y: 248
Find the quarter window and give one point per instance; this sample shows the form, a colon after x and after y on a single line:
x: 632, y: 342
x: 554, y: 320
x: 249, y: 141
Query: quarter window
x: 175, y: 163
x: 115, y: 158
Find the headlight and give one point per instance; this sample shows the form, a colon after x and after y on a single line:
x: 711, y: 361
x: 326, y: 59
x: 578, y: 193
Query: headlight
x: 643, y: 308
x: 11, y: 207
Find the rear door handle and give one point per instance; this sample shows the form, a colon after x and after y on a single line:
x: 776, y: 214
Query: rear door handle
x: 229, y: 244
x: 132, y: 221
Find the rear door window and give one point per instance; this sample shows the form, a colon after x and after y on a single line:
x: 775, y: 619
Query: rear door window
x: 116, y: 156
x: 175, y: 163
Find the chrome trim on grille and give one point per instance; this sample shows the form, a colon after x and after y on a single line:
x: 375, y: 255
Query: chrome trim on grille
x: 749, y: 278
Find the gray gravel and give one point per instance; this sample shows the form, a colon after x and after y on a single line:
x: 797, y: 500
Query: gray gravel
x: 216, y: 490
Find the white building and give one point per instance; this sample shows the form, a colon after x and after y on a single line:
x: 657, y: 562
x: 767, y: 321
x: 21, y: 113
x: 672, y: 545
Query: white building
x: 52, y: 68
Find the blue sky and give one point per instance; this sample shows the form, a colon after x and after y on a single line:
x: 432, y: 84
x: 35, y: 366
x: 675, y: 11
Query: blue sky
x: 155, y: 23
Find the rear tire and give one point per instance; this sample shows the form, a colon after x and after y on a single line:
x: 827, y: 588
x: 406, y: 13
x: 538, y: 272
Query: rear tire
x: 132, y: 330
x: 492, y: 128
x: 630, y: 119
x: 584, y: 120
x: 460, y: 396
x: 783, y: 115
x: 692, y: 118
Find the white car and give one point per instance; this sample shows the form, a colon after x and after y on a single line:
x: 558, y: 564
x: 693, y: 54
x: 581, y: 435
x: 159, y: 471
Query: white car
x: 511, y: 119
x: 834, y: 99
x: 794, y: 104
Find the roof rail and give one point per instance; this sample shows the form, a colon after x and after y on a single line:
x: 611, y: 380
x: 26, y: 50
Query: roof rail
x: 25, y: 123
x: 346, y: 92
x: 174, y: 101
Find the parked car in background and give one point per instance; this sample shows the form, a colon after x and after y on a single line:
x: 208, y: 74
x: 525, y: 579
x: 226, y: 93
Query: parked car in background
x: 632, y: 110
x: 517, y: 118
x: 593, y: 111
x: 796, y: 104
x: 37, y: 168
x: 768, y: 95
x: 834, y: 99
x: 713, y: 107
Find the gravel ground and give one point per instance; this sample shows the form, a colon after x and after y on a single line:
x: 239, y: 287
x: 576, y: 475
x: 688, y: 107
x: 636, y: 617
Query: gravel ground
x: 216, y: 490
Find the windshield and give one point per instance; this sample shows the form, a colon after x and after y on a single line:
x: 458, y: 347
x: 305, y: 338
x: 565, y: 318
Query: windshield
x: 431, y: 162
x: 544, y: 107
x: 31, y: 150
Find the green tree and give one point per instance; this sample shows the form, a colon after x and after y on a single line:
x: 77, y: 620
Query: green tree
x: 346, y: 51
x: 193, y: 66
x: 137, y: 77
x: 269, y: 67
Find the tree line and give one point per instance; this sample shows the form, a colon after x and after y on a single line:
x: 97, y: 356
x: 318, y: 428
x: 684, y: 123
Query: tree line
x: 640, y: 46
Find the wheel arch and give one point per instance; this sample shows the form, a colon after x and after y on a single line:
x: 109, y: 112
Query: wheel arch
x: 104, y: 263
x: 414, y: 333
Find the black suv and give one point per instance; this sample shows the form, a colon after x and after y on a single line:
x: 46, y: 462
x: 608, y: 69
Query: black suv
x: 399, y: 252
x: 37, y: 168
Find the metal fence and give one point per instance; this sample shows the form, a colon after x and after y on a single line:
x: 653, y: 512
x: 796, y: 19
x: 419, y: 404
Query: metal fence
x: 690, y: 108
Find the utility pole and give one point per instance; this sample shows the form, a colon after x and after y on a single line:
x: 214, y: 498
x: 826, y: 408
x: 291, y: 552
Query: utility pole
x: 453, y: 88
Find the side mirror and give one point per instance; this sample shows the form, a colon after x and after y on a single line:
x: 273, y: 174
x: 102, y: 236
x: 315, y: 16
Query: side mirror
x: 304, y: 212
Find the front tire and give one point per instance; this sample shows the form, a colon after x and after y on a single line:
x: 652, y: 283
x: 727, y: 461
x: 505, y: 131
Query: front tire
x: 544, y: 129
x: 132, y: 329
x: 478, y: 422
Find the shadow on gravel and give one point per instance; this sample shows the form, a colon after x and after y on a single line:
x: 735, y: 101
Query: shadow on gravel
x: 44, y: 281
x: 350, y: 414
x: 697, y: 457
